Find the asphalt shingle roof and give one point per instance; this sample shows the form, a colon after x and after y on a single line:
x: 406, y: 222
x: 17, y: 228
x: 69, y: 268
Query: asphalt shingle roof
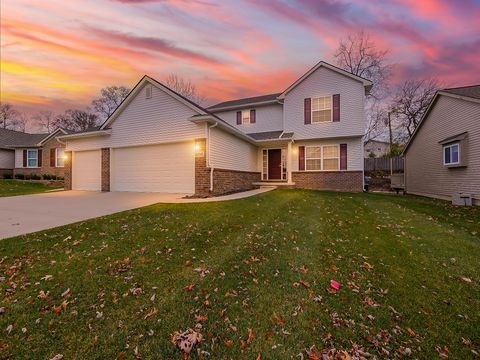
x: 245, y: 101
x: 17, y: 138
x: 468, y: 91
x: 271, y: 135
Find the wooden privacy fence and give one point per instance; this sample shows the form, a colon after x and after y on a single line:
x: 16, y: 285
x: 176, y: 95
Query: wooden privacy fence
x: 383, y: 164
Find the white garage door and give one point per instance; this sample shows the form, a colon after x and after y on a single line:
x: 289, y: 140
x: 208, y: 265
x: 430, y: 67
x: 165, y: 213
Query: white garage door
x: 168, y: 168
x: 87, y: 170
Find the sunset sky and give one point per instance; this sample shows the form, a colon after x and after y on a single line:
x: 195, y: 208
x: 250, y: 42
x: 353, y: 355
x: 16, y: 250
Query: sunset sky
x: 59, y: 54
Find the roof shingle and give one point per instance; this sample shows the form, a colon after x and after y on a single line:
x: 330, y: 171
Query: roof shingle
x: 17, y: 138
x: 468, y: 91
x: 245, y: 101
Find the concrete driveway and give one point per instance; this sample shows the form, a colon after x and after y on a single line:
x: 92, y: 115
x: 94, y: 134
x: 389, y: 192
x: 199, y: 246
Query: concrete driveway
x: 24, y: 214
x: 29, y: 213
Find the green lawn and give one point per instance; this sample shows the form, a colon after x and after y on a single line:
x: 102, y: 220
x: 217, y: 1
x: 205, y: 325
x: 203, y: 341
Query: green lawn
x: 17, y: 187
x: 409, y: 270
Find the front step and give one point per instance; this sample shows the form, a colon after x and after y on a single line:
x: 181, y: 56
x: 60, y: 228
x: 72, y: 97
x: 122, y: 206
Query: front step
x: 274, y: 184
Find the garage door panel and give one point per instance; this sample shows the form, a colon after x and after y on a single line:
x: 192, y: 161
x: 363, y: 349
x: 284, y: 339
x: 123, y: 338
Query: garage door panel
x: 166, y: 168
x: 87, y: 170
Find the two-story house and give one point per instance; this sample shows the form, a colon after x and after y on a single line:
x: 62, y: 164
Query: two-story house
x: 308, y: 136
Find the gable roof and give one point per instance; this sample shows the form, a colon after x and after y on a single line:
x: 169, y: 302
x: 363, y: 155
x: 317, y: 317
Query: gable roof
x: 366, y: 83
x: 472, y: 91
x: 12, y: 138
x: 468, y: 93
x: 136, y: 89
x: 256, y: 100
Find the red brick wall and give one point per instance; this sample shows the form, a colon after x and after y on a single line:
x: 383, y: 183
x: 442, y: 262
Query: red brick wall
x: 202, y: 173
x: 106, y: 169
x: 67, y: 183
x: 226, y: 181
x: 329, y: 180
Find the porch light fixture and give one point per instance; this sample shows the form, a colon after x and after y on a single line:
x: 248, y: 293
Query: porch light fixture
x: 65, y: 157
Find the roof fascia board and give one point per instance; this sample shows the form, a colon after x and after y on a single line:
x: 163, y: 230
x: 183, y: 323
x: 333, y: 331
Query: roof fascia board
x: 85, y: 134
x: 232, y: 107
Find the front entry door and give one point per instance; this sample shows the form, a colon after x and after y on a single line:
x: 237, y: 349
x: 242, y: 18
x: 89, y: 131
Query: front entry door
x: 274, y: 164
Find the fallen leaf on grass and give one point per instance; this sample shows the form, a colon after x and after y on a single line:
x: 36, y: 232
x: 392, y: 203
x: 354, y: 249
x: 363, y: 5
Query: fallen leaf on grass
x: 305, y: 283
x: 229, y: 343
x: 279, y: 319
x: 186, y: 340
x: 335, y: 285
x: 189, y: 287
x: 466, y: 279
x: 410, y: 332
x: 42, y: 294
x: 57, y: 357
x: 151, y: 314
x: 58, y: 309
x: 200, y: 318
x: 66, y: 293
x: 249, y: 339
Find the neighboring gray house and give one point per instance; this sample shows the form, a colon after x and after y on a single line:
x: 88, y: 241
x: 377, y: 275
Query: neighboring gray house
x: 308, y: 136
x: 443, y: 155
x: 377, y: 148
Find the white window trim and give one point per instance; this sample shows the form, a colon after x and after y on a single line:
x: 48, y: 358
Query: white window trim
x: 321, y: 157
x: 56, y: 157
x: 36, y: 165
x: 243, y: 118
x: 331, y: 110
x: 449, y: 146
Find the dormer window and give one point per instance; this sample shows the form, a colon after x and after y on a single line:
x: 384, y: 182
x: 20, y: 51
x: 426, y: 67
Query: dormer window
x: 322, y: 109
x: 148, y: 91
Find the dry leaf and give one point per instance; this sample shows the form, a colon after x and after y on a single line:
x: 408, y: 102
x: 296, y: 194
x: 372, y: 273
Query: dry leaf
x: 410, y: 332
x: 151, y: 314
x: 189, y: 287
x: 305, y: 283
x: 279, y: 319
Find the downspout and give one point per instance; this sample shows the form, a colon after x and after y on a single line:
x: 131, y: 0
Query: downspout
x: 208, y: 155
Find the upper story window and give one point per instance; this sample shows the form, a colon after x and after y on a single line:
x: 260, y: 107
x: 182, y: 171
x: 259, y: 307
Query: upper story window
x: 59, y: 157
x: 32, y: 158
x: 245, y: 117
x: 451, y: 154
x: 322, y: 109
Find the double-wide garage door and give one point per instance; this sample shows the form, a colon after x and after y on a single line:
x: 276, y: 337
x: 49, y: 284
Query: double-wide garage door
x: 168, y: 168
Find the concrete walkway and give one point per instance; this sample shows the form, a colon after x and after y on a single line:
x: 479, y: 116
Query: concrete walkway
x: 30, y: 213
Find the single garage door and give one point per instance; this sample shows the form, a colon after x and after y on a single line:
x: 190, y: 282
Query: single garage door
x: 87, y: 170
x: 168, y: 168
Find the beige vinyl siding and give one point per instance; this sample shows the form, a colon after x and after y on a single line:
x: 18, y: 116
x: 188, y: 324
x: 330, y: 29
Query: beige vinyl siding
x: 354, y: 151
x: 7, y: 159
x: 425, y: 172
x: 159, y: 119
x: 267, y: 118
x: 325, y: 82
x: 232, y: 153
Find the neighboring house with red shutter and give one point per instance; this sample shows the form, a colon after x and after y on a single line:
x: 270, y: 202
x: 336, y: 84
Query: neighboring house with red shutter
x: 308, y: 136
x: 442, y: 159
x: 32, y: 154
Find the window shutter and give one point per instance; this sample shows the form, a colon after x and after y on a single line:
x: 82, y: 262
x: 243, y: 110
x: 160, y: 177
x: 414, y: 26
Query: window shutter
x: 24, y: 158
x: 253, y: 114
x: 52, y: 157
x: 307, y: 110
x: 301, y: 158
x: 343, y: 156
x: 239, y: 118
x: 39, y: 160
x: 336, y: 107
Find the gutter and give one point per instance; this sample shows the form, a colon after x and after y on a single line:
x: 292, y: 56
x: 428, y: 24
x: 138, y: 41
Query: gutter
x: 208, y: 154
x: 85, y: 134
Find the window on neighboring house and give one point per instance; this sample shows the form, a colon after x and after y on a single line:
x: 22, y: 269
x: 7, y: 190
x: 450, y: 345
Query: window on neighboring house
x: 32, y: 158
x: 451, y: 154
x: 325, y: 157
x: 245, y: 116
x: 322, y: 109
x: 60, y: 157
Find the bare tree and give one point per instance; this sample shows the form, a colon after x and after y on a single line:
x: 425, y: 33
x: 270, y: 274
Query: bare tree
x: 8, y: 115
x: 76, y: 120
x: 20, y: 123
x: 45, y: 120
x: 359, y: 55
x: 111, y: 97
x: 410, y: 103
x: 185, y: 88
